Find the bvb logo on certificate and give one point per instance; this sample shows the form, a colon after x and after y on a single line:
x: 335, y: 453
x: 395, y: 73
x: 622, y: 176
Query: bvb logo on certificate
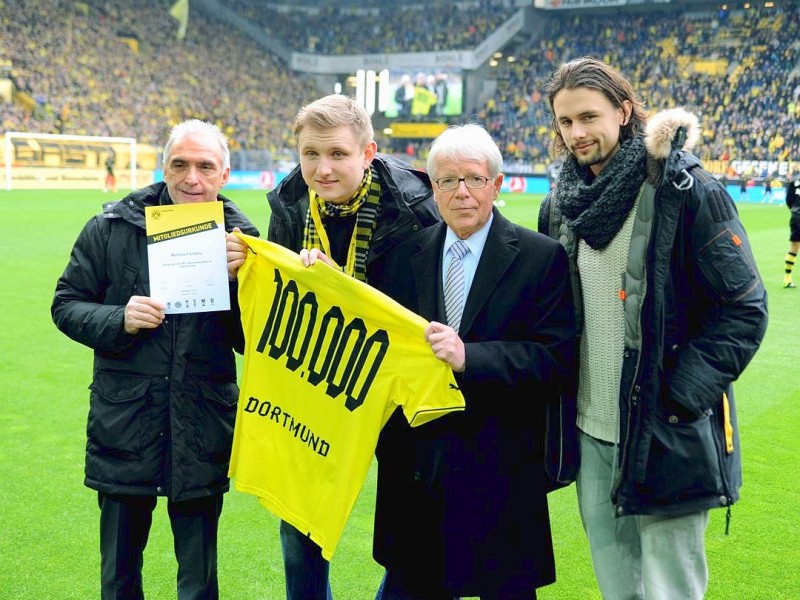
x: 186, y: 257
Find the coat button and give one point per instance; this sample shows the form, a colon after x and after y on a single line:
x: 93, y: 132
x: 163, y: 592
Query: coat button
x: 723, y: 500
x: 674, y: 420
x: 675, y: 347
x: 159, y: 489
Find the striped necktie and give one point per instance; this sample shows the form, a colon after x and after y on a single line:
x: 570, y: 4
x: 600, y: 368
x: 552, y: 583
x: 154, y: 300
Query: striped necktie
x: 454, y: 285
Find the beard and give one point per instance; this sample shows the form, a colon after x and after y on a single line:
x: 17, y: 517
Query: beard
x: 596, y: 157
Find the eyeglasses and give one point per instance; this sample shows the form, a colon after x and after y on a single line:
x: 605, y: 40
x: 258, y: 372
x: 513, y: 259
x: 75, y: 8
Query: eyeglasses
x: 473, y: 182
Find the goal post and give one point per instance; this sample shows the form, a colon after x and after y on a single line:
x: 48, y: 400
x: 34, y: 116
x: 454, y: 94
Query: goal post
x: 55, y: 161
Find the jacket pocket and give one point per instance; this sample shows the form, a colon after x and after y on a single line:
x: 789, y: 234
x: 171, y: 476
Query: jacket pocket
x: 683, y: 462
x: 727, y: 267
x: 215, y: 414
x: 118, y: 414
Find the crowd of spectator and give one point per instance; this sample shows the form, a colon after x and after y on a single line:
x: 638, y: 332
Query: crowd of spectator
x: 751, y: 109
x: 387, y: 28
x: 117, y: 69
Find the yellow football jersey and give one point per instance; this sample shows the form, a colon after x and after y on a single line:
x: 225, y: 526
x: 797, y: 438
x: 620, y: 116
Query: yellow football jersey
x: 327, y: 360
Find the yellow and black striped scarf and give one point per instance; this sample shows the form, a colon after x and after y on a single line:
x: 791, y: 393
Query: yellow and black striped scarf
x: 363, y: 204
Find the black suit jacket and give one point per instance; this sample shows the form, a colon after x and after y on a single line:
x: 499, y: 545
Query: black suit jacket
x: 462, y: 500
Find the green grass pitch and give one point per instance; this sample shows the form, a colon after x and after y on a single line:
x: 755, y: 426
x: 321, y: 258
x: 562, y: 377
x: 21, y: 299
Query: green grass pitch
x: 49, y: 520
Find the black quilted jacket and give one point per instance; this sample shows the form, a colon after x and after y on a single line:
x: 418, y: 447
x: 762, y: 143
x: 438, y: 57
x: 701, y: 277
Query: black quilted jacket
x: 163, y: 401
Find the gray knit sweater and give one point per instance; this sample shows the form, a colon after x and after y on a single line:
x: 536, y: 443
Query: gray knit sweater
x: 603, y: 340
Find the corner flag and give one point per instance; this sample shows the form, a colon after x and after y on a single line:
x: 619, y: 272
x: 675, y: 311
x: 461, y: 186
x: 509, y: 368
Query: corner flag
x: 180, y: 12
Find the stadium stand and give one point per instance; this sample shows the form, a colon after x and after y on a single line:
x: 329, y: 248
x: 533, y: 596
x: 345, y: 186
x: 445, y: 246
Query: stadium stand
x: 385, y: 28
x: 102, y: 68
x: 736, y: 69
x: 106, y: 68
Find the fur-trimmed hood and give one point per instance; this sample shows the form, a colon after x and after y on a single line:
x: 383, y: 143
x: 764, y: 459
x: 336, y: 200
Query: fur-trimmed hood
x: 675, y: 128
x: 671, y: 134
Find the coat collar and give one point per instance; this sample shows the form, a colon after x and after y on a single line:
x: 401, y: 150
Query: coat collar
x: 499, y: 253
x: 131, y: 208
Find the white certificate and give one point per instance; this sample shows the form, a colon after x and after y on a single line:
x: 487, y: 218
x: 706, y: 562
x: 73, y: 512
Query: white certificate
x: 187, y: 257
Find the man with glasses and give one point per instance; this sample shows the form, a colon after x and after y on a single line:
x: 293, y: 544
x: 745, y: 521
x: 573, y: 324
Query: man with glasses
x: 462, y: 502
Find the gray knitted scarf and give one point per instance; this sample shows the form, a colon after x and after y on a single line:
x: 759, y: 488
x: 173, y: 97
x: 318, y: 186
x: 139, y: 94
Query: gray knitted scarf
x: 595, y: 209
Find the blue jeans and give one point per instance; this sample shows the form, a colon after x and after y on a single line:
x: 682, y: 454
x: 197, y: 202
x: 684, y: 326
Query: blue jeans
x: 637, y: 557
x: 307, y: 572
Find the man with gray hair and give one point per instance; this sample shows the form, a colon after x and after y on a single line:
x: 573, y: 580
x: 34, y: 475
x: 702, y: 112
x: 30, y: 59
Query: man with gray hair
x: 461, y: 506
x: 163, y: 396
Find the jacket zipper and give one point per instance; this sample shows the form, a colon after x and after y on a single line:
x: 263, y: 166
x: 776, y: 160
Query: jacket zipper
x: 633, y: 401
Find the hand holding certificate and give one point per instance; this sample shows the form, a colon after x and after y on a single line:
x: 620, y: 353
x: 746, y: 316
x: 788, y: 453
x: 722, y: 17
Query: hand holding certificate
x: 186, y: 256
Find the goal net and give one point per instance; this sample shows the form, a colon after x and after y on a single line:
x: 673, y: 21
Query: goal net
x: 51, y: 161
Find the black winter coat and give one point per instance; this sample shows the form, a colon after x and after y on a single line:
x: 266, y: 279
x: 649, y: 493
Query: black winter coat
x: 163, y: 401
x: 462, y: 501
x: 406, y: 206
x: 702, y: 313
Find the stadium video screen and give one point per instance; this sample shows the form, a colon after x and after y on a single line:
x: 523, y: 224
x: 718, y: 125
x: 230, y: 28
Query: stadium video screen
x: 425, y: 94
